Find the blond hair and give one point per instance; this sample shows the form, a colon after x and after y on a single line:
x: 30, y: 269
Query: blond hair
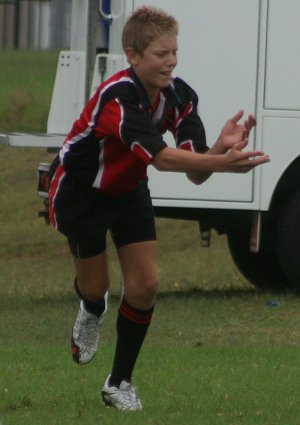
x: 146, y: 24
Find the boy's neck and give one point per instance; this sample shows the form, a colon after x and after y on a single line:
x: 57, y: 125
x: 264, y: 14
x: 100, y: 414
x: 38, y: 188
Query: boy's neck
x: 154, y: 97
x: 155, y: 102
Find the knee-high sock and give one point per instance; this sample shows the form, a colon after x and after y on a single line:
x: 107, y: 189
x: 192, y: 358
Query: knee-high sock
x: 132, y: 326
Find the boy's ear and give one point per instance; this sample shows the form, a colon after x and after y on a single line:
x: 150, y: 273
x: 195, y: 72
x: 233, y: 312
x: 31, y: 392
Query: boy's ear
x: 131, y: 55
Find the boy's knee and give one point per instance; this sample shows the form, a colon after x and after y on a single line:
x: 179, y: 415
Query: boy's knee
x: 92, y: 289
x: 151, y: 288
x: 142, y: 296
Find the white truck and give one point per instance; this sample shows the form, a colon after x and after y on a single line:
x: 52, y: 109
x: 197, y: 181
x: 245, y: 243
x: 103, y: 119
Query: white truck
x: 235, y: 54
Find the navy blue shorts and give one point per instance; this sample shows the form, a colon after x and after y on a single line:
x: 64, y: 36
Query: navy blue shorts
x: 84, y: 216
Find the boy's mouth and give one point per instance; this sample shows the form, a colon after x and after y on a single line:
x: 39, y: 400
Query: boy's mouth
x: 166, y: 74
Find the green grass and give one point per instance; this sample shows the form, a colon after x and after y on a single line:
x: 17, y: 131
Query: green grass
x: 26, y: 81
x: 201, y: 367
x: 64, y: 394
x: 216, y: 352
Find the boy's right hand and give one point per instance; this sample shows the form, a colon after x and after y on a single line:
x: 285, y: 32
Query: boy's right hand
x: 238, y: 161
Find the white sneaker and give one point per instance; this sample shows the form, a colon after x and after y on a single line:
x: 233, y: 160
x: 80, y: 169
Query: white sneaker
x: 85, y: 338
x: 123, y: 398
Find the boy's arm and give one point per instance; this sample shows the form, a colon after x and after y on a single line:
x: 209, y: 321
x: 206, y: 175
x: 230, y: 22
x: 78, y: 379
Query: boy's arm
x: 231, y: 134
x: 235, y: 161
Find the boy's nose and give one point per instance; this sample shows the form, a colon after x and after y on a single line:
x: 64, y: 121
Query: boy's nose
x: 172, y: 60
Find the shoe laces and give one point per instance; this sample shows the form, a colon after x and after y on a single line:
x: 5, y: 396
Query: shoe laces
x: 129, y: 395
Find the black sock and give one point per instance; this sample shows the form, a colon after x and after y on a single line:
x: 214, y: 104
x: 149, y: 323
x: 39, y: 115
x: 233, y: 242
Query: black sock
x: 132, y: 326
x: 94, y: 307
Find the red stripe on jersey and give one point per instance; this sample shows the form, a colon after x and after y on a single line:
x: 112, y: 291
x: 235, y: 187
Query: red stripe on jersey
x: 55, y: 183
x: 187, y: 145
x: 141, y: 152
x: 117, y: 160
x: 185, y: 113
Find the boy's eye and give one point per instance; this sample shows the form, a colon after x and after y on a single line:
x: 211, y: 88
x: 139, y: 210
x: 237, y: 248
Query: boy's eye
x: 164, y: 54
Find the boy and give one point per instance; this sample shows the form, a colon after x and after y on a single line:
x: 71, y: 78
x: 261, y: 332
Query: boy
x: 100, y: 184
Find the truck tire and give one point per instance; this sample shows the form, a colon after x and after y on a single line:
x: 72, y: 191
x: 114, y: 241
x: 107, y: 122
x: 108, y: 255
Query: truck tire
x: 262, y: 269
x: 288, y: 240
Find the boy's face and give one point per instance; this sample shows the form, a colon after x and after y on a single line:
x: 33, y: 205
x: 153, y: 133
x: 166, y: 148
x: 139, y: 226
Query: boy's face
x: 155, y: 65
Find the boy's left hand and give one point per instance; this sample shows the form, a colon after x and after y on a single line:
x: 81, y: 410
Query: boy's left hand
x: 233, y: 132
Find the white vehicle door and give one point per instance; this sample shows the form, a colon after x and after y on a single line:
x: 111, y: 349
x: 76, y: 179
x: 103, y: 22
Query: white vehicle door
x: 218, y: 57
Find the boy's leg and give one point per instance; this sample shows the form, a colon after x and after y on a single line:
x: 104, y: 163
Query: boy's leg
x: 91, y: 284
x: 92, y: 276
x: 138, y: 263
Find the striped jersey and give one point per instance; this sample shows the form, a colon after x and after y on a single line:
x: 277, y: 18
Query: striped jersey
x: 118, y: 133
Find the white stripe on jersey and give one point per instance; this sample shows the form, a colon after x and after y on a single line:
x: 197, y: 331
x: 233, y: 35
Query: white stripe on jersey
x: 129, y: 80
x: 66, y: 146
x: 55, y: 194
x: 97, y: 181
x: 188, y: 143
x: 157, y: 116
x: 136, y: 143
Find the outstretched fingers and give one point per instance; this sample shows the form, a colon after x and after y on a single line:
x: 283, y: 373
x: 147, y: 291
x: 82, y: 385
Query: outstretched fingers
x: 241, y: 161
x: 249, y: 123
x: 236, y: 118
x: 249, y: 160
x: 258, y: 157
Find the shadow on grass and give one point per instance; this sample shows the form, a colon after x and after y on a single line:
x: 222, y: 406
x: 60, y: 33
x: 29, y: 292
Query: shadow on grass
x: 68, y: 299
x: 223, y: 293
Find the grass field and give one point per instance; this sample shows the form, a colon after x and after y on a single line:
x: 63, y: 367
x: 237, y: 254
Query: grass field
x: 217, y: 352
x: 26, y: 80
